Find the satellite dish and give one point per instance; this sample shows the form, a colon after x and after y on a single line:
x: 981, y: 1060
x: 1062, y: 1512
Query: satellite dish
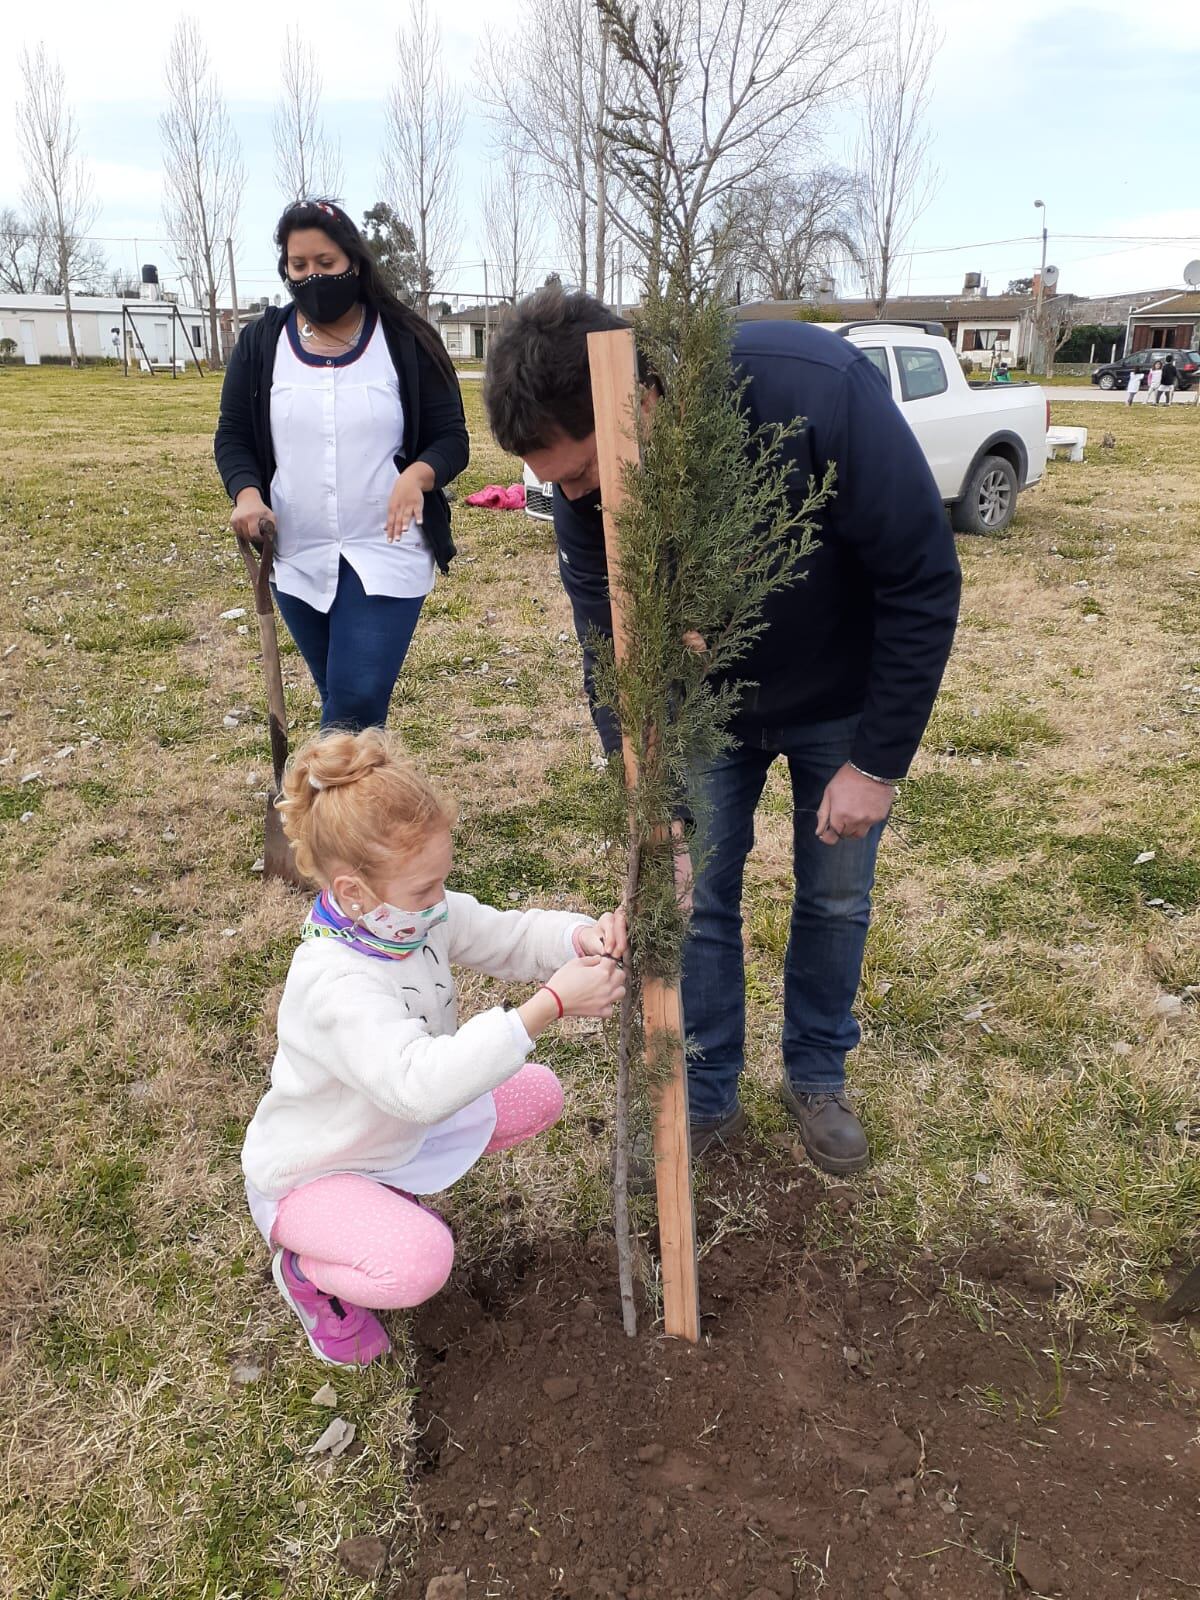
x: 1191, y: 274
x: 1051, y: 277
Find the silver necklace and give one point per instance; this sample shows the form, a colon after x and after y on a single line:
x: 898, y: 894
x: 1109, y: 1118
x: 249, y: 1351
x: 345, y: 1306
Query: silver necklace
x: 307, y: 331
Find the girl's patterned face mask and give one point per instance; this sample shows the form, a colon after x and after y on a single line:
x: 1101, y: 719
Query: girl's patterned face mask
x: 406, y: 929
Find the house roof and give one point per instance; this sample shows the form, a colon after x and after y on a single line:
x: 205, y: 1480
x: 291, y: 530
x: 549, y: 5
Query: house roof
x: 81, y: 303
x: 1185, y: 303
x: 471, y: 314
x: 907, y: 308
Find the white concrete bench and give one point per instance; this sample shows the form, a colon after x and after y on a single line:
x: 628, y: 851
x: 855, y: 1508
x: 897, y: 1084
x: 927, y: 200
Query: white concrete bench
x: 1072, y: 440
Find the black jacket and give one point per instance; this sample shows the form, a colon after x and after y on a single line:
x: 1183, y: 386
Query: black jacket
x: 869, y: 626
x: 1170, y: 372
x: 435, y: 430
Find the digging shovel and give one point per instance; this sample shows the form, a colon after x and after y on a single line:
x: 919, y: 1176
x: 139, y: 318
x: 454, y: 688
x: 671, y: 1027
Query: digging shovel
x: 278, y: 861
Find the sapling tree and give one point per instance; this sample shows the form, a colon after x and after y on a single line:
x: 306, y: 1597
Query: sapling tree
x: 713, y: 522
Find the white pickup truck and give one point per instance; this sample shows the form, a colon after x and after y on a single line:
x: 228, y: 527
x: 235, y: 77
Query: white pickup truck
x: 984, y: 442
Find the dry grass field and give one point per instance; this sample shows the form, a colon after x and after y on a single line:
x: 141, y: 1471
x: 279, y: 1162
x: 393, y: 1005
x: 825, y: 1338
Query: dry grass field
x: 1030, y: 1055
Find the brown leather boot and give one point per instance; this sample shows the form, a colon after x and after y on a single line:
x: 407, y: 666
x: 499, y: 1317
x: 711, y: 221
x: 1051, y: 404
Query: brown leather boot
x: 703, y: 1136
x: 829, y: 1129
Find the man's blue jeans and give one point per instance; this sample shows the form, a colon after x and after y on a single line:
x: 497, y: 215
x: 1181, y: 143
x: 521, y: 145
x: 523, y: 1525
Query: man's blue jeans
x: 354, y: 650
x: 831, y: 912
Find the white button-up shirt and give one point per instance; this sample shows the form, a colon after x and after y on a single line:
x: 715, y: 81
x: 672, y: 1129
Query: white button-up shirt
x: 337, y: 423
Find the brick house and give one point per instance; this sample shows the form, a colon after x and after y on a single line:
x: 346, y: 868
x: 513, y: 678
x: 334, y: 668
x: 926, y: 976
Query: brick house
x: 1170, y: 323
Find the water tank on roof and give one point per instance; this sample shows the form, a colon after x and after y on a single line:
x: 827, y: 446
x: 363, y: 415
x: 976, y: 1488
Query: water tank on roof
x: 150, y: 288
x: 972, y: 283
x: 149, y: 274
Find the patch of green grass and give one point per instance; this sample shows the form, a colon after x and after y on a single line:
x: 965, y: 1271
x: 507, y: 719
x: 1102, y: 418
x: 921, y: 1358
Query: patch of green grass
x: 101, y: 1200
x: 995, y: 729
x: 954, y: 816
x: 18, y: 798
x: 1104, y: 871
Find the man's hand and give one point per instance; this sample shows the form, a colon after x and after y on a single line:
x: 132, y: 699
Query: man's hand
x: 852, y: 805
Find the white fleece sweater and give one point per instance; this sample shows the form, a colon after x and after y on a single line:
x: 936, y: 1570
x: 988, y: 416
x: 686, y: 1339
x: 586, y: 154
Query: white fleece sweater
x: 370, y: 1052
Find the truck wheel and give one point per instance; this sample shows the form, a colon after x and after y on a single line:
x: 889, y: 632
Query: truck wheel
x: 1106, y: 381
x: 990, y: 500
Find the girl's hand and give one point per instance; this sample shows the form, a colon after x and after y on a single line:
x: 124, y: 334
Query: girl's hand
x: 592, y: 986
x: 607, y: 937
x: 406, y: 502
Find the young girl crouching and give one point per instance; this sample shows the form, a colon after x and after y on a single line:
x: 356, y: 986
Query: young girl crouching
x: 377, y: 1094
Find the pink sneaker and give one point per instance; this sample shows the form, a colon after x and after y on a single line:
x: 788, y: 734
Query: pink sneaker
x: 341, y: 1334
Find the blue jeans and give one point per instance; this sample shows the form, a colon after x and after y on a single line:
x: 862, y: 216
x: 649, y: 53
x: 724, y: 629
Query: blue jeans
x: 354, y: 650
x: 831, y: 912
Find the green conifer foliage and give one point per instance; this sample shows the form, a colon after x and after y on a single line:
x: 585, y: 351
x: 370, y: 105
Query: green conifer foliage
x: 713, y: 524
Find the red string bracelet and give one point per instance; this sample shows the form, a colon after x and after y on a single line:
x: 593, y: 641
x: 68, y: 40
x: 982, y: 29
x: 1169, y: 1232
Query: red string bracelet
x: 554, y: 996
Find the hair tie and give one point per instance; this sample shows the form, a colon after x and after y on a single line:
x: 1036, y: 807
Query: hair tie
x: 315, y: 782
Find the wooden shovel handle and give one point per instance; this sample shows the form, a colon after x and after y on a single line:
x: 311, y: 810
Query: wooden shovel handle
x: 259, y: 568
x: 260, y: 562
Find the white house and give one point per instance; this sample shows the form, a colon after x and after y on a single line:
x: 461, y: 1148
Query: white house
x: 37, y: 325
x: 466, y: 333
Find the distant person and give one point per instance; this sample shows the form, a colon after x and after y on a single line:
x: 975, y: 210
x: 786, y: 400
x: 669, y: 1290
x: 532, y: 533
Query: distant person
x: 379, y: 1094
x: 1153, y: 382
x: 1170, y: 377
x: 342, y: 422
x: 1134, y: 387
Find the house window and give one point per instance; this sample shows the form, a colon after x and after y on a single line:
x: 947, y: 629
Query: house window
x: 197, y: 336
x: 921, y: 373
x: 984, y: 338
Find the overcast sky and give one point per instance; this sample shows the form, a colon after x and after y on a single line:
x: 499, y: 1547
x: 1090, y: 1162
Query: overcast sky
x: 1087, y: 106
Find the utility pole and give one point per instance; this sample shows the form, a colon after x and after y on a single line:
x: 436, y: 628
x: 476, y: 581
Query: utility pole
x: 620, y: 295
x: 237, y: 321
x: 487, y: 314
x: 1039, y: 331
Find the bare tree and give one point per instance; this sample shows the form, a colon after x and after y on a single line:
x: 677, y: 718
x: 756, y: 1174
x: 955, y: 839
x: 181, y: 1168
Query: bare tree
x: 307, y: 162
x: 718, y: 93
x: 510, y: 224
x: 203, y: 170
x: 58, y: 190
x: 896, y: 180
x: 424, y: 126
x: 791, y: 231
x: 547, y: 85
x: 26, y: 254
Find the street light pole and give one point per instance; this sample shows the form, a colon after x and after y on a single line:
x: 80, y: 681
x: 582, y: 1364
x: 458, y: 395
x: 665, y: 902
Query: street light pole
x: 1040, y: 205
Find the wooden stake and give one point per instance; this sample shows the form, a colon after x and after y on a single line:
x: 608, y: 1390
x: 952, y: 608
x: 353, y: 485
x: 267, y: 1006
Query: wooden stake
x: 615, y: 396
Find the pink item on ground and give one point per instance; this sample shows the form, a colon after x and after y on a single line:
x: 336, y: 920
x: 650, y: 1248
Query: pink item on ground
x: 341, y: 1334
x: 497, y: 498
x: 365, y: 1244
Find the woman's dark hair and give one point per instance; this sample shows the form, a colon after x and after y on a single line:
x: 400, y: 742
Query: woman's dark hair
x: 332, y: 220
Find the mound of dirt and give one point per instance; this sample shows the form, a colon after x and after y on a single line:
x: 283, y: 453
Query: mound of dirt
x: 835, y: 1432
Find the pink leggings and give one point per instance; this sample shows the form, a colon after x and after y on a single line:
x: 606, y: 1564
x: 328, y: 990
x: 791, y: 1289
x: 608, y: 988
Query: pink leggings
x: 376, y: 1247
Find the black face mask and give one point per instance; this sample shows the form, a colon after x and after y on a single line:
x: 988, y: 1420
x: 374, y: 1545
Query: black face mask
x: 325, y: 296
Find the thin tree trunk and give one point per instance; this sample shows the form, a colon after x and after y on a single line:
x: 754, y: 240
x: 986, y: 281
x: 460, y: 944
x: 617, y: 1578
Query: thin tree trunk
x: 601, y: 164
x: 64, y: 267
x: 621, y: 1227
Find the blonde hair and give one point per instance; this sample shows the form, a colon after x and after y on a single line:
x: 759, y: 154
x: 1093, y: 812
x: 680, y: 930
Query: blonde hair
x: 353, y: 800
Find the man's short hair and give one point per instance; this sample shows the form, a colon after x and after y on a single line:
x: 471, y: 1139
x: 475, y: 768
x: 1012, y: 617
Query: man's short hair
x: 538, y: 385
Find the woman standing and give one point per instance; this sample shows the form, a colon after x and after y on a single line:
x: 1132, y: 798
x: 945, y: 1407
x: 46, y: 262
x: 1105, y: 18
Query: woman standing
x: 342, y: 422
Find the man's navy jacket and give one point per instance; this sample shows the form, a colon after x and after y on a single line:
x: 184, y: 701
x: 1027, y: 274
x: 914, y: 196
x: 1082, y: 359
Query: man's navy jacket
x: 868, y: 628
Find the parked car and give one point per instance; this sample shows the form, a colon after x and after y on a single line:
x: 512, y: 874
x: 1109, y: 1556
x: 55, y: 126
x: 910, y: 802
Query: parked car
x: 1115, y: 374
x: 985, y: 442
